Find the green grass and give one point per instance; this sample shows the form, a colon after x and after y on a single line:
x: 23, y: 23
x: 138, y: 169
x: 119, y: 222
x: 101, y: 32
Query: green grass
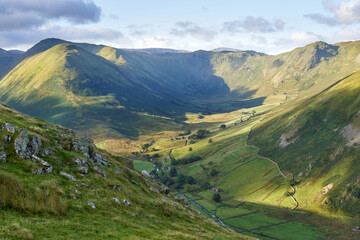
x: 143, y: 165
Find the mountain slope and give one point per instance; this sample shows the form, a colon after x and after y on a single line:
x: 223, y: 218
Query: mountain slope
x: 50, y: 180
x: 7, y: 59
x: 317, y: 140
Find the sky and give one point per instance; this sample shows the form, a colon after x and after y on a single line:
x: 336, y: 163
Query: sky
x: 266, y: 26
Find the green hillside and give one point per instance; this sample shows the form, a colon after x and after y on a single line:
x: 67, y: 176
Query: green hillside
x: 317, y: 140
x: 58, y: 186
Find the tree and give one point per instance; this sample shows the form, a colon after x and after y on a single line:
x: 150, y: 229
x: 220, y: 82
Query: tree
x: 216, y: 197
x: 173, y: 172
x: 213, y: 172
x: 210, y: 140
x: 222, y: 126
x: 205, y: 185
x: 190, y: 149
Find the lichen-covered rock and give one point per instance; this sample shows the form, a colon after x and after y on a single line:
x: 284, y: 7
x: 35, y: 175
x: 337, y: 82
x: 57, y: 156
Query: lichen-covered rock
x: 126, y: 202
x: 145, y: 173
x: 21, y: 146
x: 91, y: 204
x: 99, y: 160
x: 7, y: 138
x: 3, y: 157
x: 35, y: 145
x: 116, y: 200
x: 100, y: 171
x: 46, y: 166
x: 68, y: 176
x: 9, y: 127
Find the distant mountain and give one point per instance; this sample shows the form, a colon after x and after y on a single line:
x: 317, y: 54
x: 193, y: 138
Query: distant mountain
x: 118, y: 89
x: 7, y: 58
x: 155, y: 50
x: 224, y: 49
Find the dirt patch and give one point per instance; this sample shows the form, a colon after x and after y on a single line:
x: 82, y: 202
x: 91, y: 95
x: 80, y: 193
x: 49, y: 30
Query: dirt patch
x: 352, y: 134
x: 288, y: 138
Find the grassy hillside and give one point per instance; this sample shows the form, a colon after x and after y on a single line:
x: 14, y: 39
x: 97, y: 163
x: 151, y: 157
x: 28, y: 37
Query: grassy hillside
x: 39, y: 201
x: 317, y: 141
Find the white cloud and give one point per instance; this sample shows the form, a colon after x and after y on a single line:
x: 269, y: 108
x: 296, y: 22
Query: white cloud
x: 252, y: 24
x: 183, y: 29
x: 155, y: 42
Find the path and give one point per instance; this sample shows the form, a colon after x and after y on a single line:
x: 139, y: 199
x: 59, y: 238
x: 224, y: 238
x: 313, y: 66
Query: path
x: 275, y: 163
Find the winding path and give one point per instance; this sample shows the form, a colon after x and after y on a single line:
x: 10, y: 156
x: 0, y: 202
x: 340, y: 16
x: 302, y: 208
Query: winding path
x: 275, y: 163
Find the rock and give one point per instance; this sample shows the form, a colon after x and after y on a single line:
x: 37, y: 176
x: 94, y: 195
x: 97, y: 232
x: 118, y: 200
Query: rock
x: 99, y: 160
x: 134, y: 214
x: 92, y: 205
x: 23, y: 132
x: 118, y: 171
x: 145, y: 173
x: 77, y: 192
x: 46, y: 166
x: 81, y: 162
x: 45, y: 152
x: 3, y: 157
x: 9, y: 127
x: 83, y: 170
x: 21, y: 146
x: 7, y: 138
x: 84, y: 185
x: 38, y: 171
x: 154, y: 189
x: 35, y: 145
x: 116, y: 187
x: 192, y: 217
x: 49, y: 170
x: 117, y: 201
x: 74, y: 196
x: 126, y: 202
x: 100, y: 171
x: 68, y: 176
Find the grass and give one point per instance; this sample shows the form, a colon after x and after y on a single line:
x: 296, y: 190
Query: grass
x: 43, y: 206
x: 143, y: 165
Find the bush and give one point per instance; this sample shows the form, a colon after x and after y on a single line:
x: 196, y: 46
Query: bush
x: 190, y: 159
x: 191, y: 188
x: 190, y: 149
x: 214, y: 172
x: 222, y: 126
x: 210, y: 140
x: 173, y: 172
x: 216, y: 197
x: 205, y: 185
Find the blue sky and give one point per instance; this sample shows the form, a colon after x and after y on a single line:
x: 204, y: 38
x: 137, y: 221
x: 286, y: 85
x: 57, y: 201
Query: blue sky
x: 267, y: 26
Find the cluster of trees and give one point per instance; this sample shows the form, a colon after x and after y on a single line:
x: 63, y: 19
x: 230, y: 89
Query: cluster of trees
x: 186, y: 160
x: 173, y: 179
x: 187, y: 132
x: 145, y: 146
x: 201, y: 133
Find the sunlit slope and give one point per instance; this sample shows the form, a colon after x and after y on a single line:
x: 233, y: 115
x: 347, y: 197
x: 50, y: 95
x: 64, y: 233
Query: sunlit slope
x: 317, y: 140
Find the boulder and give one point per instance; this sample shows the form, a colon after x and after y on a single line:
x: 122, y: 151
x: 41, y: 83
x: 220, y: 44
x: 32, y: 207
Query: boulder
x: 9, y: 127
x: 116, y: 200
x: 92, y: 205
x: 7, y: 138
x: 145, y: 173
x: 21, y: 146
x: 68, y: 176
x: 35, y: 145
x: 100, y: 171
x: 3, y: 157
x: 99, y: 160
x: 126, y: 202
x: 38, y: 171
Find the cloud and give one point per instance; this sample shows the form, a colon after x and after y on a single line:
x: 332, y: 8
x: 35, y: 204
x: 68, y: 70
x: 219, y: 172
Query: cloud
x: 252, y: 24
x: 24, y: 38
x: 140, y: 30
x: 155, y: 42
x: 183, y: 29
x: 298, y: 38
x: 23, y: 14
x: 345, y: 12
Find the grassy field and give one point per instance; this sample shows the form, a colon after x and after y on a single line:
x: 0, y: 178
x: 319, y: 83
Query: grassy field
x: 143, y: 165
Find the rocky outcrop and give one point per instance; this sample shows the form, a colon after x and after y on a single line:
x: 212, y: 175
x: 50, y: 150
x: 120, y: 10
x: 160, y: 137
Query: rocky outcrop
x: 3, y: 155
x: 86, y: 146
x: 81, y: 165
x: 9, y: 127
x: 23, y: 147
x: 46, y: 167
x: 117, y: 201
x: 68, y: 176
x: 100, y: 171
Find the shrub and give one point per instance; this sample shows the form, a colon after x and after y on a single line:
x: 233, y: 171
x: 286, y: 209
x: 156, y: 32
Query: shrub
x: 216, y: 197
x: 222, y: 126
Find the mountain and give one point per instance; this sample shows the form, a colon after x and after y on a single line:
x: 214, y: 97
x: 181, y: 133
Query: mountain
x: 7, y: 58
x: 51, y: 179
x: 114, y: 93
x: 316, y: 140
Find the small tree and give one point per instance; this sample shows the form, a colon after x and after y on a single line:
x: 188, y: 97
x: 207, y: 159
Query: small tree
x: 222, y: 126
x: 173, y: 172
x: 210, y: 140
x: 216, y: 197
x: 213, y: 172
x: 190, y: 149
